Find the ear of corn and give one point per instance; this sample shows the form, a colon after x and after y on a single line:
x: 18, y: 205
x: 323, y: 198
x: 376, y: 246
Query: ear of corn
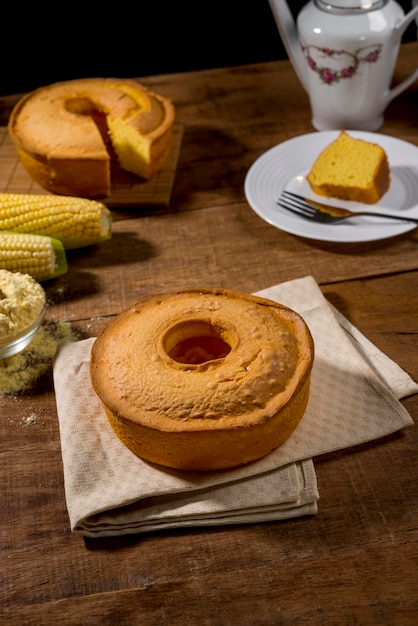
x: 76, y: 222
x: 40, y: 256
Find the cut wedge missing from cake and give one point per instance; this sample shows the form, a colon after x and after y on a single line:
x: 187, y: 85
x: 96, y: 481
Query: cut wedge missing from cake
x: 351, y: 169
x: 68, y: 135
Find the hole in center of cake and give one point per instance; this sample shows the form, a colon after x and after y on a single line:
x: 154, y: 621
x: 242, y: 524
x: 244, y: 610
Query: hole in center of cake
x: 195, y: 342
x: 80, y: 106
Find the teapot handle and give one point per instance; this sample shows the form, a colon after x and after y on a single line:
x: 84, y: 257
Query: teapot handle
x: 401, y: 27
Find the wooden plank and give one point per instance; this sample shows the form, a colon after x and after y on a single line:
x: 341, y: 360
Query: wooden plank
x: 207, y: 248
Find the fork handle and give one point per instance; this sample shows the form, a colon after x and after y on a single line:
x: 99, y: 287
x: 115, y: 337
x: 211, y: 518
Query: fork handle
x: 395, y: 217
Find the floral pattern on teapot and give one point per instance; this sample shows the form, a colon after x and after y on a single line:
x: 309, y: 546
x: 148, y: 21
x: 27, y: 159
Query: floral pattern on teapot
x: 351, y: 61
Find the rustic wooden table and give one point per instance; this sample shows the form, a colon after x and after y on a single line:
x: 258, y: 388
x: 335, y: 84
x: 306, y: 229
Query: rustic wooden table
x: 356, y: 561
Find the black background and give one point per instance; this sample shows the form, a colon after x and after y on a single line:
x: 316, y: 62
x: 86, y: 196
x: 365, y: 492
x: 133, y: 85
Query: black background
x: 40, y: 45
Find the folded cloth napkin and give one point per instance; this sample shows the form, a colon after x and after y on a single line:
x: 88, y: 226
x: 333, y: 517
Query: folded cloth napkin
x: 354, y: 398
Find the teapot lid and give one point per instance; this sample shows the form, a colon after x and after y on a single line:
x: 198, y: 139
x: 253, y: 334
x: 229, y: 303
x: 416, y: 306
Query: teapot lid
x: 350, y: 6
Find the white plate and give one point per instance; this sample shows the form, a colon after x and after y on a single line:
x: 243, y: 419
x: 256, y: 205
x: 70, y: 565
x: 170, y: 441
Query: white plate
x: 286, y: 166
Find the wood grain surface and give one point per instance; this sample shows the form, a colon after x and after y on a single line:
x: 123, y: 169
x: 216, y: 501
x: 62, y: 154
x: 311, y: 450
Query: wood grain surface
x: 356, y: 561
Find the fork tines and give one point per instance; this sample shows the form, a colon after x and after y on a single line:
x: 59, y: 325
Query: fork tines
x: 297, y: 204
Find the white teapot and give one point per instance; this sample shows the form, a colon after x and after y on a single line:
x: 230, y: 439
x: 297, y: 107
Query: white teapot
x: 344, y: 53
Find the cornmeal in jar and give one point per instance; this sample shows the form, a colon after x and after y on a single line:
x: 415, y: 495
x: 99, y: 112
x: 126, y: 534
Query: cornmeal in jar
x: 22, y: 299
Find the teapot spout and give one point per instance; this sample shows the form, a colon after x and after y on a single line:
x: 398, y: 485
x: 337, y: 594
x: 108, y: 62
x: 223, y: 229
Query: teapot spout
x: 288, y: 32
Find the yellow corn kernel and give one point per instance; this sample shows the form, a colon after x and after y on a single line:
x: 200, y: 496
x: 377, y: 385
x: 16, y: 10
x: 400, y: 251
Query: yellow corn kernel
x: 76, y: 222
x: 40, y: 256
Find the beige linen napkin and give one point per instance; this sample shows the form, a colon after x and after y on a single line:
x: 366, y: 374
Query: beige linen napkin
x: 109, y: 491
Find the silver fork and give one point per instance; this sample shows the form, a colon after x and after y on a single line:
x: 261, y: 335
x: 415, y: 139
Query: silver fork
x: 317, y: 212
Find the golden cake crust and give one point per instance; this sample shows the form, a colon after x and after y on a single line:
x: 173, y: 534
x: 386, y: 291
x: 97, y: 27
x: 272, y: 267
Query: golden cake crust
x: 63, y: 132
x: 203, y: 379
